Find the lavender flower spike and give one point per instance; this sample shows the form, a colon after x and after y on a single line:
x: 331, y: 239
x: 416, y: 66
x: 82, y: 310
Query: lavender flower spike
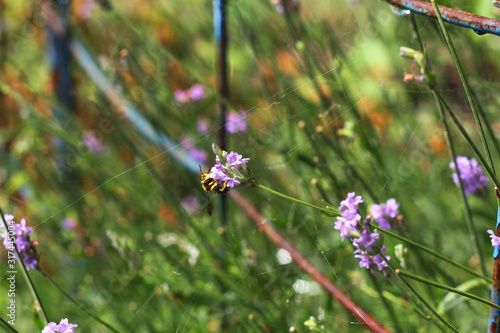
x: 231, y: 167
x: 19, y: 234
x: 471, y: 174
x: 369, y: 244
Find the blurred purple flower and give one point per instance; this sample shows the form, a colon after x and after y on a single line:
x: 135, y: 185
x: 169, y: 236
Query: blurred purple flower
x: 181, y: 96
x: 386, y: 213
x: 186, y: 141
x: 191, y: 203
x: 236, y: 122
x: 495, y: 240
x: 279, y: 5
x: 63, y: 327
x: 198, y: 155
x: 69, y: 223
x: 85, y: 9
x: 202, y: 126
x: 92, y: 142
x: 188, y: 144
x: 20, y: 233
x: 196, y: 92
x: 471, y: 174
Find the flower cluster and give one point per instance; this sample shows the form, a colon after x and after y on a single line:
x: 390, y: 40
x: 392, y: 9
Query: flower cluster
x: 471, y: 174
x: 195, y: 94
x: 369, y: 245
x: 19, y: 234
x: 385, y: 214
x: 236, y: 121
x: 230, y: 167
x: 63, y: 327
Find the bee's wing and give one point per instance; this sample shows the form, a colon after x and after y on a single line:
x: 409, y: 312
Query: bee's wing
x: 210, y: 207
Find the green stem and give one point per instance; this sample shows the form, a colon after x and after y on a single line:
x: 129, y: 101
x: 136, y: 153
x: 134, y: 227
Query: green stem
x: 445, y: 287
x: 388, y: 306
x: 76, y: 303
x: 464, y: 83
x: 428, y: 250
x: 331, y: 211
x: 26, y: 276
x: 469, y: 141
x: 7, y: 325
x: 468, y: 214
x: 417, y: 295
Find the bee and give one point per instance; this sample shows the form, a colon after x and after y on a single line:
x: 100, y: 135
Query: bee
x: 212, y: 185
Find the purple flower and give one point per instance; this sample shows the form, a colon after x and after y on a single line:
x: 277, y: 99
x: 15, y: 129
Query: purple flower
x: 386, y: 213
x: 495, y: 240
x: 352, y: 200
x: 69, y: 223
x: 236, y: 159
x: 196, y: 92
x: 368, y: 244
x: 232, y: 182
x: 63, y: 327
x: 349, y: 208
x: 364, y: 259
x: 181, y: 96
x: 344, y: 228
x: 350, y: 217
x: 191, y: 203
x: 197, y: 154
x: 50, y: 328
x: 236, y: 122
x: 379, y: 261
x: 85, y: 9
x: 20, y: 233
x: 92, y: 143
x: 367, y: 240
x: 220, y: 173
x: 471, y: 175
x: 230, y: 167
x: 186, y: 141
x: 202, y: 126
x: 280, y: 6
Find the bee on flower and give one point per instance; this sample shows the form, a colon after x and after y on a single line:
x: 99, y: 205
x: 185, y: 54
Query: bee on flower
x: 230, y: 170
